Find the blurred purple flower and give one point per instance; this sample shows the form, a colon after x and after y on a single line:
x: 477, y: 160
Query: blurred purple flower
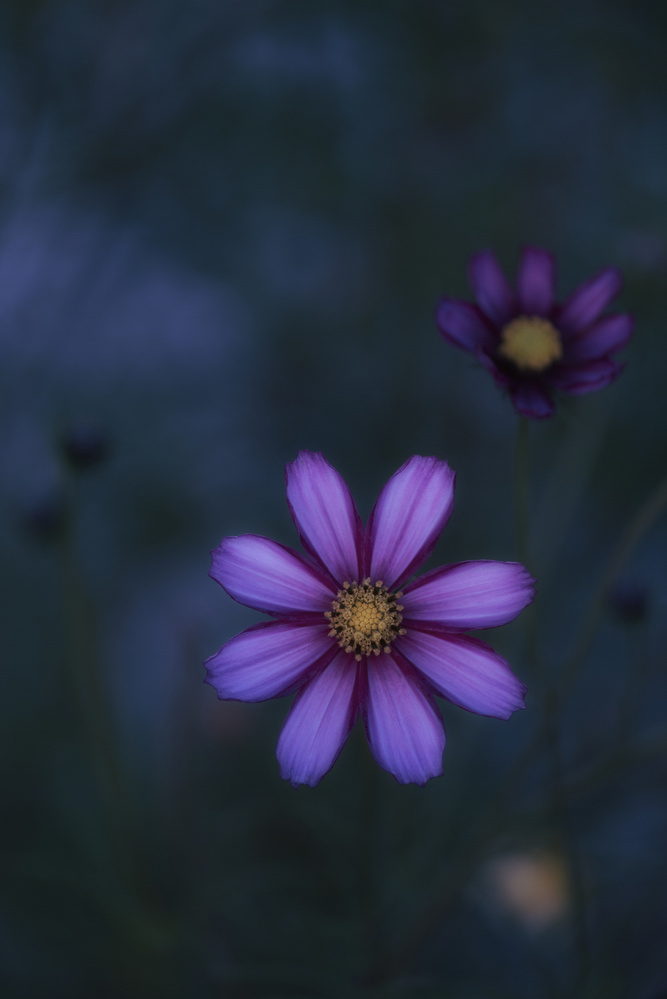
x: 350, y: 636
x: 530, y: 343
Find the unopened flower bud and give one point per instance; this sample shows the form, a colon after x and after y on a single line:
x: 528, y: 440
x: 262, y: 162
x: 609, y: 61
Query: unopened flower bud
x: 45, y: 520
x: 629, y: 601
x: 84, y: 446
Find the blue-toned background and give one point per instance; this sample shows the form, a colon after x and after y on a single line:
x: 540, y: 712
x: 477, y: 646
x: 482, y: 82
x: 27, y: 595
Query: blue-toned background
x: 224, y: 228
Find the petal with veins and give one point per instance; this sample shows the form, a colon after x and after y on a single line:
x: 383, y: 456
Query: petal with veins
x: 268, y: 576
x: 466, y: 671
x: 267, y: 660
x: 325, y: 515
x: 404, y: 728
x: 470, y: 595
x: 318, y: 723
x: 408, y: 518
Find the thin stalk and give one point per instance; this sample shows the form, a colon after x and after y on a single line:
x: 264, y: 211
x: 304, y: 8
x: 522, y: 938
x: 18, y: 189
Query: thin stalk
x: 566, y: 482
x: 367, y: 858
x: 643, y: 520
x: 558, y: 795
x: 522, y: 491
x: 90, y: 696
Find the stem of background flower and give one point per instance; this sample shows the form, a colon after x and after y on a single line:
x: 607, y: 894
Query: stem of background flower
x: 90, y: 698
x: 530, y: 616
x: 549, y: 724
x: 522, y: 491
x: 643, y: 520
x: 144, y: 934
x: 567, y: 479
x: 637, y: 673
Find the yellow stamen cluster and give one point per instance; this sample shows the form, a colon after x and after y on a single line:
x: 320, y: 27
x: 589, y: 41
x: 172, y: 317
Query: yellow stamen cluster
x: 531, y: 343
x: 365, y: 618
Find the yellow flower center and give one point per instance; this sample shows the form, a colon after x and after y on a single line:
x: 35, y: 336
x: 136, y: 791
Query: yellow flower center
x: 531, y: 343
x: 365, y: 618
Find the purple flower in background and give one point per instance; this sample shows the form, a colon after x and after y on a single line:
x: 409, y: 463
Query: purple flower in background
x: 350, y: 636
x: 529, y: 343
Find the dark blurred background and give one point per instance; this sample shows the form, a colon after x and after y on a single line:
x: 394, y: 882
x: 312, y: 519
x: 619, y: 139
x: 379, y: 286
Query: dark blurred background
x: 224, y: 227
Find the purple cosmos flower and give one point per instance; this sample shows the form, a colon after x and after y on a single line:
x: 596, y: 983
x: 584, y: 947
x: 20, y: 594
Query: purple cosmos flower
x: 529, y: 343
x: 351, y: 634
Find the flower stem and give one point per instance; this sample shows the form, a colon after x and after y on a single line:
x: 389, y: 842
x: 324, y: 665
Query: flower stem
x: 367, y: 857
x: 643, y: 520
x: 550, y: 705
x: 522, y: 491
x: 90, y: 696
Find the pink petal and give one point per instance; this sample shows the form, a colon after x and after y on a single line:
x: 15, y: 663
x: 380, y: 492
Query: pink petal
x: 491, y: 288
x: 469, y: 595
x: 409, y: 517
x: 536, y: 281
x: 589, y: 377
x: 465, y: 671
x: 607, y: 335
x: 325, y: 515
x: 267, y: 660
x: 587, y: 302
x: 531, y: 399
x: 318, y: 724
x: 463, y: 325
x: 268, y: 576
x: 404, y: 728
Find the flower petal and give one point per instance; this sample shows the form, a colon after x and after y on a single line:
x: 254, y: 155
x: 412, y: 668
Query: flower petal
x: 607, y: 335
x: 268, y: 576
x: 409, y: 517
x: 267, y: 660
x: 404, y: 728
x: 583, y: 378
x: 536, y: 281
x: 587, y: 302
x: 465, y: 671
x: 467, y: 595
x: 492, y: 290
x: 463, y: 325
x: 325, y: 515
x: 531, y: 399
x: 318, y: 723
x: 491, y: 365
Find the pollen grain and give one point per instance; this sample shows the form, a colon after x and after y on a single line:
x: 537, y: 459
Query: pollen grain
x: 365, y: 618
